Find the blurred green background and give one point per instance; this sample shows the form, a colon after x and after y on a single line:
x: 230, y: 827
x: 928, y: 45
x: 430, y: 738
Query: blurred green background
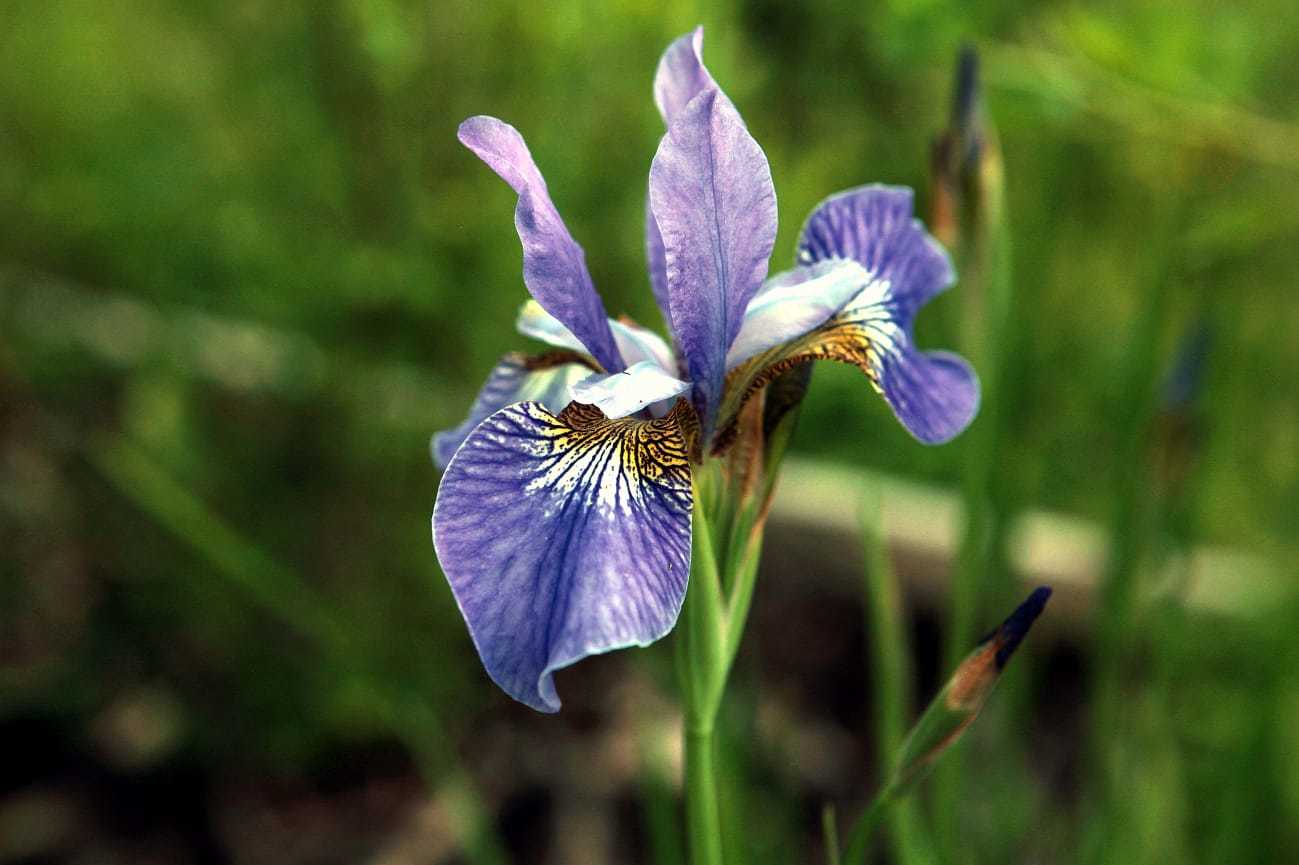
x: 246, y: 270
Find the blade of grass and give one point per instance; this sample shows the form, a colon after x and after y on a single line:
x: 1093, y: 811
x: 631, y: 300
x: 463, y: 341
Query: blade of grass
x: 830, y: 835
x: 891, y: 674
x: 1116, y: 604
x: 659, y: 803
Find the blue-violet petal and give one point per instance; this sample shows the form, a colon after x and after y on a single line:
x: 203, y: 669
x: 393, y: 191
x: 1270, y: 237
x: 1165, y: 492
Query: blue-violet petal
x: 681, y: 76
x: 713, y: 200
x: 554, y: 265
x: 934, y: 394
x: 634, y: 342
x: 563, y: 537
x: 874, y: 225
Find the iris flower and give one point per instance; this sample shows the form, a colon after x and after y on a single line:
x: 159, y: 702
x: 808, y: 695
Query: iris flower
x: 563, y: 519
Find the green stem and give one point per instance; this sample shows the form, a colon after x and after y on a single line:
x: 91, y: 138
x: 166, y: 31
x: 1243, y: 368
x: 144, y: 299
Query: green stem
x: 977, y: 582
x: 992, y: 328
x: 891, y: 674
x: 884, y: 619
x: 702, y: 812
x: 705, y: 631
x: 722, y: 577
x: 863, y: 830
x: 743, y: 582
x: 703, y: 670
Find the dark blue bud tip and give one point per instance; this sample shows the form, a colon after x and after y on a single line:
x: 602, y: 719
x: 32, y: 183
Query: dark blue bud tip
x: 1013, y: 630
x: 967, y: 88
x: 1187, y: 375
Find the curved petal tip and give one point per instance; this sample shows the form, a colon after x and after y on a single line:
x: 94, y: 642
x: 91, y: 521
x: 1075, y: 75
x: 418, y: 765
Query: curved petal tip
x: 934, y: 394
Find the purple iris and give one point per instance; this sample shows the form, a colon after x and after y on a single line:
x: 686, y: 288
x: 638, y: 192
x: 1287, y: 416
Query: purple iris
x: 563, y: 521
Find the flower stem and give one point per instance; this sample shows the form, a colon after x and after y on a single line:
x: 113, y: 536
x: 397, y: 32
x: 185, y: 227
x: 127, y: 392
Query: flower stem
x: 703, y: 667
x: 726, y: 544
x: 743, y: 582
x: 858, y: 842
x: 981, y: 581
x: 702, y: 814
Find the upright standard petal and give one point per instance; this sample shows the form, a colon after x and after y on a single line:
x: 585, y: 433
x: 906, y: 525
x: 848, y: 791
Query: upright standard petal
x: 680, y: 77
x: 554, y: 265
x: 934, y: 394
x: 547, y: 379
x: 656, y: 260
x: 681, y: 74
x: 713, y: 200
x: 564, y: 536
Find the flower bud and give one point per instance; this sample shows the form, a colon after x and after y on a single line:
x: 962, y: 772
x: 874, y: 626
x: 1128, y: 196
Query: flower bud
x: 964, y: 695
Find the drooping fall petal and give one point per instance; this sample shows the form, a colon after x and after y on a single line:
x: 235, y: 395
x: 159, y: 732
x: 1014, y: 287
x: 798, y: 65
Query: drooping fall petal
x: 934, y: 394
x: 564, y: 536
x: 875, y: 225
